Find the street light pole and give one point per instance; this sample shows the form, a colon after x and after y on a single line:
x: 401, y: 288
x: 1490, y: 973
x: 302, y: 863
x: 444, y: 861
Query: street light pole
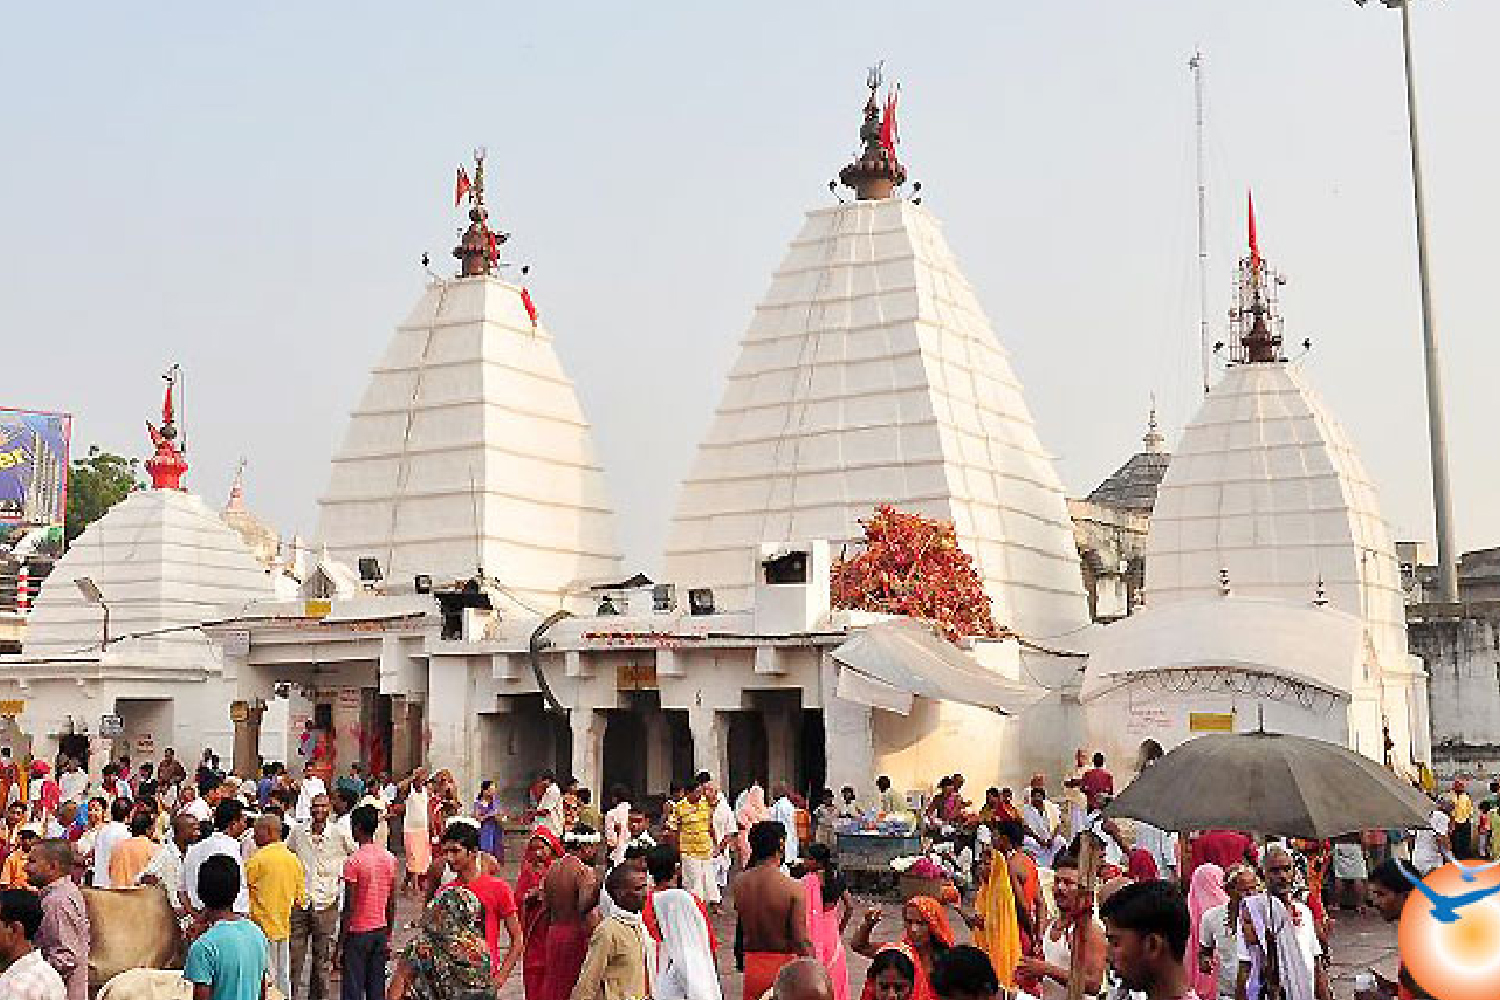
x: 1437, y: 432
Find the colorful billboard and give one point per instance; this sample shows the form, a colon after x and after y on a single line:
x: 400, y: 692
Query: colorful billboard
x: 33, y: 467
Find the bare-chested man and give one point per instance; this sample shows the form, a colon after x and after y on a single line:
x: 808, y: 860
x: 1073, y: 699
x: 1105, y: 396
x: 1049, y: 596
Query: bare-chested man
x: 570, y: 891
x: 772, y: 909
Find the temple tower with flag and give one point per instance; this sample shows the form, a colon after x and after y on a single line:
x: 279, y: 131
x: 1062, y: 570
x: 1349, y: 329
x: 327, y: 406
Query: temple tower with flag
x: 468, y: 454
x: 1271, y: 583
x: 117, y: 659
x: 869, y: 374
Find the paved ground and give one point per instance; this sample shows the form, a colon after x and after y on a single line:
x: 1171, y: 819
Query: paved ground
x: 1359, y: 943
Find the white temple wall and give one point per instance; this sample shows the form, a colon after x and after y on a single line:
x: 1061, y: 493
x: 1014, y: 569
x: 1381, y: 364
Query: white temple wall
x: 943, y: 737
x: 1119, y: 722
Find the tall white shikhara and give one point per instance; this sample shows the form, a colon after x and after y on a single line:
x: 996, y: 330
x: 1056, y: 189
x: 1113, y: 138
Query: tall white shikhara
x: 870, y: 375
x: 469, y: 450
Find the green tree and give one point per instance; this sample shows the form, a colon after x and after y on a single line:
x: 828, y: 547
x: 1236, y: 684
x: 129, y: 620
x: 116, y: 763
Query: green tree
x: 95, y: 484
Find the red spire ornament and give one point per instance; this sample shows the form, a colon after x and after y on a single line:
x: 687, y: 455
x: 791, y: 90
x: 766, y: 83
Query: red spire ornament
x: 876, y: 172
x: 166, y: 466
x: 479, y: 247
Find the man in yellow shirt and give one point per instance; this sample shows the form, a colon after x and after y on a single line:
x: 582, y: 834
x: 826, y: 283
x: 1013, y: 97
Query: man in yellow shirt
x: 277, y: 883
x: 691, y: 822
x: 1463, y: 821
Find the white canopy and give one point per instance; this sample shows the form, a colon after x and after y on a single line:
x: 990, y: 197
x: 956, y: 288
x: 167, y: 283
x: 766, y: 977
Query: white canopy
x: 1315, y: 645
x: 889, y: 664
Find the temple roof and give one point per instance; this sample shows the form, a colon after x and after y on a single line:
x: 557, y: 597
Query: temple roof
x: 869, y: 374
x: 1133, y: 485
x: 469, y: 450
x: 1266, y: 496
x: 163, y: 562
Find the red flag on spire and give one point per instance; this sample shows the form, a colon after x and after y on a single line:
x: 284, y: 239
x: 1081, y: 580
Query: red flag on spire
x: 166, y: 406
x: 530, y: 305
x: 461, y: 187
x: 1254, y: 240
x: 888, y: 135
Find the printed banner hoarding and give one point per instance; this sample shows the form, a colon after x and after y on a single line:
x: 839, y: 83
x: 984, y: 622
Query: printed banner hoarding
x: 33, y: 466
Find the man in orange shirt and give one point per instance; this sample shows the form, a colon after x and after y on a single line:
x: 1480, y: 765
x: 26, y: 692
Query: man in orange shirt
x: 13, y: 872
x: 131, y: 856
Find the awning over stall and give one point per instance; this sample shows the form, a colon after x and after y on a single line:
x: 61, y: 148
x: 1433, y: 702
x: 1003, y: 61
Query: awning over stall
x: 889, y: 664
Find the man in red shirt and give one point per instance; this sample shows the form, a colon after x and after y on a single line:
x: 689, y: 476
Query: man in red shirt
x: 1096, y: 780
x: 369, y: 911
x: 461, y: 850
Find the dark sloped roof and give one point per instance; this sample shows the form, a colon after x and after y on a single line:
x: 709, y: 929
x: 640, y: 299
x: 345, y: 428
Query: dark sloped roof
x: 1133, y: 485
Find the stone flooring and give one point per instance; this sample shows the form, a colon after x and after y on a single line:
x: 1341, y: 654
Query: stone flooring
x: 1360, y: 942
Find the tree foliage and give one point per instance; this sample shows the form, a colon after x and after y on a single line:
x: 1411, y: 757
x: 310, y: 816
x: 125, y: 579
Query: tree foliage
x: 912, y: 565
x: 95, y: 484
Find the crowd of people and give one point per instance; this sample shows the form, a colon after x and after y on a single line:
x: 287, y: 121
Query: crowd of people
x: 286, y: 881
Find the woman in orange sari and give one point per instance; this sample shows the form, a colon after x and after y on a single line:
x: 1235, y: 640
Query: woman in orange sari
x: 927, y: 936
x: 541, y: 850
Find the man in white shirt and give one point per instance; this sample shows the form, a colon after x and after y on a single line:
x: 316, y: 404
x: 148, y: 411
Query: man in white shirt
x: 785, y: 813
x: 72, y: 783
x: 110, y: 834
x: 165, y: 869
x: 229, y: 826
x: 617, y: 825
x: 27, y: 975
x: 1431, y: 847
x: 549, y: 806
x: 1042, y: 820
x: 1276, y: 916
x: 312, y: 787
x: 1219, y: 933
x: 322, y: 847
x: 194, y: 805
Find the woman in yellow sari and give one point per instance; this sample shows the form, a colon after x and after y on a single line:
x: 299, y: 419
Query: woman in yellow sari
x: 1000, y: 924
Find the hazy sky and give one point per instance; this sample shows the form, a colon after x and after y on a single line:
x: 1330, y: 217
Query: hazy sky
x: 247, y: 192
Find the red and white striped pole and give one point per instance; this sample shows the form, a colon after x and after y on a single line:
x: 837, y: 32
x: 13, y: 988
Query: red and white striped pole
x: 23, y: 590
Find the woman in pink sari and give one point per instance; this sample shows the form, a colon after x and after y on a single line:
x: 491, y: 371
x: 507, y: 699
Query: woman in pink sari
x: 749, y: 809
x: 1205, y: 891
x: 828, y: 911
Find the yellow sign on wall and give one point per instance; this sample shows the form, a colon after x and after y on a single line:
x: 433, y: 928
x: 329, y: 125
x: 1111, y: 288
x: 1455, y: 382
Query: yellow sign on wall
x: 12, y: 706
x: 636, y: 676
x: 1211, y: 722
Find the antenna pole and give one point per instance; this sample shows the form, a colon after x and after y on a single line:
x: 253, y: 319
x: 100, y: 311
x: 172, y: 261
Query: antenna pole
x: 1205, y: 349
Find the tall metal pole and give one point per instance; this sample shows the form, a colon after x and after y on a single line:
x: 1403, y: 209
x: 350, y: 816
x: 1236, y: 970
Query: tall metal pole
x: 1442, y: 498
x: 1196, y: 65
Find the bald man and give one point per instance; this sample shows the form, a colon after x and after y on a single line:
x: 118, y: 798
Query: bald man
x: 803, y: 979
x: 277, y: 882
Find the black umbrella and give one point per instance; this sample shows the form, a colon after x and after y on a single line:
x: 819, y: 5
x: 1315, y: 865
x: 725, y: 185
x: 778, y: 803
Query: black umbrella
x: 1271, y: 783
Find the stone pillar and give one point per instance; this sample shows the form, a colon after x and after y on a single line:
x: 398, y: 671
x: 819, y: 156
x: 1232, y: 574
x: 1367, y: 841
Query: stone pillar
x: 658, y: 754
x: 848, y: 738
x: 401, y: 736
x: 450, y: 721
x: 588, y: 742
x: 710, y: 741
x: 246, y: 716
x: 781, y: 746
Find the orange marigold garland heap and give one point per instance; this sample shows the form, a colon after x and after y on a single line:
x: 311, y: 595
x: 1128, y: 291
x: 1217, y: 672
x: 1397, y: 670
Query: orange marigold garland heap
x: 912, y: 565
